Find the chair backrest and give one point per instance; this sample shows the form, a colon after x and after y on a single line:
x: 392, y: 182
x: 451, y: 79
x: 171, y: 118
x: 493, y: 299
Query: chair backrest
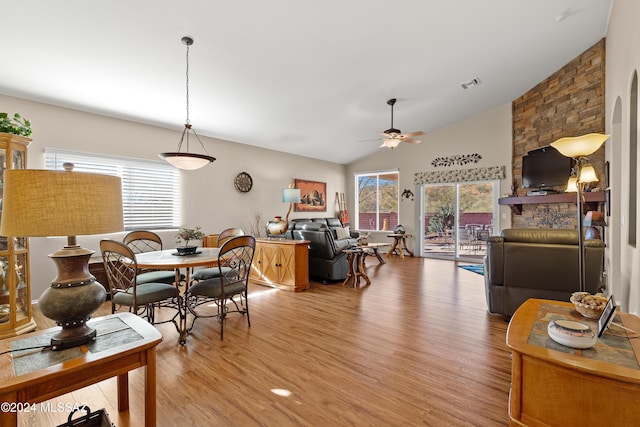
x: 120, y: 265
x: 227, y: 234
x: 235, y: 258
x: 143, y: 241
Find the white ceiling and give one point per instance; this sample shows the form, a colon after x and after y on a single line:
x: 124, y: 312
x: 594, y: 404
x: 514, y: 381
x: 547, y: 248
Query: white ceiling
x: 305, y: 77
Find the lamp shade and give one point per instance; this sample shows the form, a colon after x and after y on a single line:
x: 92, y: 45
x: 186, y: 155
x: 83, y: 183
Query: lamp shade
x: 187, y: 161
x: 391, y: 143
x: 60, y: 203
x: 588, y: 174
x: 290, y: 195
x: 579, y: 146
x: 572, y: 185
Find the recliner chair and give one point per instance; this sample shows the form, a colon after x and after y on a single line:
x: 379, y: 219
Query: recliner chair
x: 537, y: 263
x: 326, y: 259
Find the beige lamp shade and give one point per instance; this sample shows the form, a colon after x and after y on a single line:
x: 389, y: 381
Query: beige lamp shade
x: 579, y: 146
x: 60, y: 203
x: 588, y: 174
x: 572, y: 185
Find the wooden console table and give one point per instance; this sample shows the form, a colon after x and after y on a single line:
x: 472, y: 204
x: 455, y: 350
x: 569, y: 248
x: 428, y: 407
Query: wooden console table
x: 280, y: 263
x: 556, y: 385
x: 125, y: 342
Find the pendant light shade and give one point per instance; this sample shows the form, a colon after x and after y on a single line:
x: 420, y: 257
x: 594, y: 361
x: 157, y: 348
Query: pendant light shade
x: 186, y: 160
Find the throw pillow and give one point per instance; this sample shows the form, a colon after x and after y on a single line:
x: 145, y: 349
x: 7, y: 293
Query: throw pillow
x: 342, y: 233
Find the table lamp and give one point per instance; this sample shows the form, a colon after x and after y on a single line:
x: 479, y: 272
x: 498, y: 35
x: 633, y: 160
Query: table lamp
x: 41, y: 203
x: 278, y: 226
x: 579, y: 148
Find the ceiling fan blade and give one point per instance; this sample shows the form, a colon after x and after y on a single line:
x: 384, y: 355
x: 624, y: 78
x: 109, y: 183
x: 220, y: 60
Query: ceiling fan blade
x: 410, y: 134
x: 411, y: 141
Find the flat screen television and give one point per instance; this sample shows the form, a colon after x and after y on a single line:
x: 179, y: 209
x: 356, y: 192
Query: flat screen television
x: 545, y: 168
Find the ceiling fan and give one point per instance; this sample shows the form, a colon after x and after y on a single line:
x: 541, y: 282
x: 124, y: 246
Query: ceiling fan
x: 392, y: 137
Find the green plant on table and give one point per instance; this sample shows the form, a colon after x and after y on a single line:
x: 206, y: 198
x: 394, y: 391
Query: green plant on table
x: 186, y: 234
x: 16, y: 125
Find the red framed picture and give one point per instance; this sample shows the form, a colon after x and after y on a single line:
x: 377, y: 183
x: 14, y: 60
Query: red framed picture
x: 313, y: 196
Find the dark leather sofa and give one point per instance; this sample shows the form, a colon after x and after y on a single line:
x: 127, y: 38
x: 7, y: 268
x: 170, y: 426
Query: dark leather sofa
x: 537, y: 263
x: 327, y: 262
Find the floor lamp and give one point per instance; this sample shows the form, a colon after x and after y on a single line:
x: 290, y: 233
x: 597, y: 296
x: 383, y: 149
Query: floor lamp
x: 64, y: 203
x: 579, y: 148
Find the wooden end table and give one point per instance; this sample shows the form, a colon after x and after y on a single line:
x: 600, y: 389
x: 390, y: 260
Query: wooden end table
x: 355, y: 257
x: 125, y: 342
x: 399, y: 244
x: 561, y: 386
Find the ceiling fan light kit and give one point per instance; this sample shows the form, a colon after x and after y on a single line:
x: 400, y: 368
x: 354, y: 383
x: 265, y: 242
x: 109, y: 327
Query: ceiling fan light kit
x: 185, y: 160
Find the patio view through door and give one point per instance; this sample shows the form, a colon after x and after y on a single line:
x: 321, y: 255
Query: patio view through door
x: 457, y: 219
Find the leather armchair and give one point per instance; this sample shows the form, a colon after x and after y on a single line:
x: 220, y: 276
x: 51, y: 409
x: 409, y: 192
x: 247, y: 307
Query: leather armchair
x: 537, y: 263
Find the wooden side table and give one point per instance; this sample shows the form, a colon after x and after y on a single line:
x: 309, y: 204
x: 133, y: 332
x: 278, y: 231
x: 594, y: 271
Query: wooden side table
x: 125, y: 342
x: 373, y: 249
x: 399, y: 245
x: 556, y: 385
x: 355, y: 257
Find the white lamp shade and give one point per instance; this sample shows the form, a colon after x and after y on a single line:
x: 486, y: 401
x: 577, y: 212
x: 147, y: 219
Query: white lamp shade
x: 290, y: 195
x: 572, y: 185
x: 391, y: 143
x: 579, y: 146
x: 588, y: 174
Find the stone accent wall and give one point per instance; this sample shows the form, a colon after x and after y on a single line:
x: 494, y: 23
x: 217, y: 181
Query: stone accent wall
x: 570, y: 102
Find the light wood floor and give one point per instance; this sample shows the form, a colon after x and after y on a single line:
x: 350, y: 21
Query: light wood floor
x: 417, y: 347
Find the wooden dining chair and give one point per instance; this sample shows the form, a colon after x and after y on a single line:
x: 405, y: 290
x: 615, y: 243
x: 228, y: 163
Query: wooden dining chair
x: 140, y: 298
x: 228, y: 291
x: 210, y: 273
x: 147, y: 241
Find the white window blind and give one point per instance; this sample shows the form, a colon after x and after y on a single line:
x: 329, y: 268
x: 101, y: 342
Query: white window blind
x: 150, y: 189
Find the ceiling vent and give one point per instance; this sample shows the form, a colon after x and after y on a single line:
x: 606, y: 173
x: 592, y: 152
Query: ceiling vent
x: 471, y: 83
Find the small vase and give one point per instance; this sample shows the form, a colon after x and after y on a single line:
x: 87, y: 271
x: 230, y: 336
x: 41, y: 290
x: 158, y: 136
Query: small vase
x: 187, y: 250
x: 277, y: 226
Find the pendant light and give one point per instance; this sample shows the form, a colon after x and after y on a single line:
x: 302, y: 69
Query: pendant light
x: 185, y: 160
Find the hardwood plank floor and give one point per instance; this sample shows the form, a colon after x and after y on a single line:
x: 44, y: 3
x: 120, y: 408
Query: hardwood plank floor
x: 417, y: 347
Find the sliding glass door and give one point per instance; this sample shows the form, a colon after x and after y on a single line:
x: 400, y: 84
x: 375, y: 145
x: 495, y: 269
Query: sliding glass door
x: 457, y: 219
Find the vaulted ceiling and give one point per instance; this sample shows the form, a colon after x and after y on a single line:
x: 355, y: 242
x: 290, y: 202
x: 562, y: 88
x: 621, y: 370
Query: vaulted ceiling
x: 305, y: 77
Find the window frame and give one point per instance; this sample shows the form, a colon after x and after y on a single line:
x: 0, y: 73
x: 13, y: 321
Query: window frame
x: 376, y: 173
x: 150, y: 189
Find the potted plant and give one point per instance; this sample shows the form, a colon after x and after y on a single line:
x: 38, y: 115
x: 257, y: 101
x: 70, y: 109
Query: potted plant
x: 16, y: 125
x: 186, y: 234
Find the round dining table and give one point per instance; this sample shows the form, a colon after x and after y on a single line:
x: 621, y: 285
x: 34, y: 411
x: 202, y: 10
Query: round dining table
x: 168, y: 259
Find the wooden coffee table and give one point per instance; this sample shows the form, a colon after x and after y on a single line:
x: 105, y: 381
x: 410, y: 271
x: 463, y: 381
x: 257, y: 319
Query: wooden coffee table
x: 372, y: 249
x: 355, y: 257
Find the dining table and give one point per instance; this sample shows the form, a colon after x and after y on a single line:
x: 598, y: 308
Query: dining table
x: 170, y: 259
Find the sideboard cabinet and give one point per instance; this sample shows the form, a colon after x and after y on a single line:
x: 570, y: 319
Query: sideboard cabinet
x: 283, y: 264
x: 15, y: 287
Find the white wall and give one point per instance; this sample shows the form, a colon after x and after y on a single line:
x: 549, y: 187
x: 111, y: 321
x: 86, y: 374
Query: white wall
x: 622, y: 58
x: 488, y: 134
x: 209, y: 197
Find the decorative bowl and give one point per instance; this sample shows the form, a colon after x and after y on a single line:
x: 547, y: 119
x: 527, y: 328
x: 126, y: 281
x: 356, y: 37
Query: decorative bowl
x: 571, y: 334
x: 588, y: 305
x: 186, y: 250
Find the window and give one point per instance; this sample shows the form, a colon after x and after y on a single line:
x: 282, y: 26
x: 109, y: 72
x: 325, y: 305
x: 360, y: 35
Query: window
x: 150, y: 189
x: 377, y: 195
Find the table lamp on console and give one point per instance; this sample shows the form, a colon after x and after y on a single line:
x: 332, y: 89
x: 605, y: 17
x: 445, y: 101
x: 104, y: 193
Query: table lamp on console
x: 580, y: 148
x: 43, y: 203
x: 278, y: 226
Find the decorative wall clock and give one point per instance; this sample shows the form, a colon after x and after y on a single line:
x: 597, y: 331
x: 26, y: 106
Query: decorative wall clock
x: 243, y: 182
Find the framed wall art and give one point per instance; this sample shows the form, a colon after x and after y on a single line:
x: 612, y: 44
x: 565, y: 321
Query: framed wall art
x: 313, y: 196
